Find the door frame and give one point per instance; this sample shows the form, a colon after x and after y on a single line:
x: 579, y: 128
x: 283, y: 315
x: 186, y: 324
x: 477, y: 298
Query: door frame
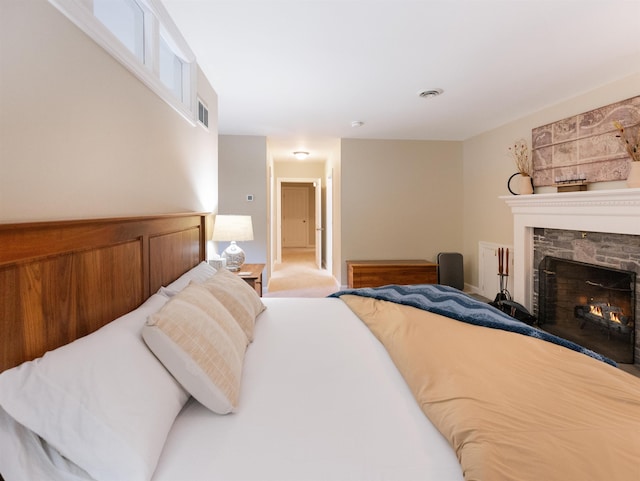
x: 317, y: 182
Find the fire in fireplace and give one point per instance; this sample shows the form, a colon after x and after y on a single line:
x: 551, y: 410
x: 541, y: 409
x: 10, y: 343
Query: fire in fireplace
x: 591, y: 305
x: 609, y: 317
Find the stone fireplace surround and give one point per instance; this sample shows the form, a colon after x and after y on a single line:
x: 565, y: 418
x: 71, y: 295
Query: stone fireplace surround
x: 608, y: 211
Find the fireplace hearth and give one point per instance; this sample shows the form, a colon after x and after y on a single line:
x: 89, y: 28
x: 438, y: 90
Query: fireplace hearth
x: 589, y: 304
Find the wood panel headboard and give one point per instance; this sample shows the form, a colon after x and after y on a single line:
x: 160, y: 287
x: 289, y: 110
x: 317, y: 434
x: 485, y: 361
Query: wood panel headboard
x: 62, y: 280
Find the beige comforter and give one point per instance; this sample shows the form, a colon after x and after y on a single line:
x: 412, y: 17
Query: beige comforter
x: 511, y: 406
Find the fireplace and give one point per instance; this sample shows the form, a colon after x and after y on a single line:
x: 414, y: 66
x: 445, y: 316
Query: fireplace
x: 591, y: 213
x: 591, y: 305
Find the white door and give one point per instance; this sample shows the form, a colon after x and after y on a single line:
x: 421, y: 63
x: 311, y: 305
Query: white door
x: 489, y: 284
x: 295, y: 216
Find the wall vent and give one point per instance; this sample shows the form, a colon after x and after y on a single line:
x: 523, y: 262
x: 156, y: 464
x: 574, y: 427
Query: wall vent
x: 203, y: 114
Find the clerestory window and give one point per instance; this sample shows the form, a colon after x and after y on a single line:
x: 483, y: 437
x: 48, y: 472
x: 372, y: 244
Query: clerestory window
x: 141, y: 35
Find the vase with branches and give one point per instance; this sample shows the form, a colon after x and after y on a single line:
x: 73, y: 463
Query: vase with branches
x: 522, y: 158
x: 520, y: 153
x: 629, y: 141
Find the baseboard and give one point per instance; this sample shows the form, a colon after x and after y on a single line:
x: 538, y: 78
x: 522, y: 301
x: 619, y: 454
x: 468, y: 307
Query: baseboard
x: 471, y: 289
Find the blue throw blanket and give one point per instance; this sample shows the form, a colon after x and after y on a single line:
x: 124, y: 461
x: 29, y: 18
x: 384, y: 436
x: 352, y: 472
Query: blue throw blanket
x: 452, y: 303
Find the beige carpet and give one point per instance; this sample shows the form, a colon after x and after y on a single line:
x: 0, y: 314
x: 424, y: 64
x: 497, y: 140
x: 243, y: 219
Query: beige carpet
x: 298, y: 276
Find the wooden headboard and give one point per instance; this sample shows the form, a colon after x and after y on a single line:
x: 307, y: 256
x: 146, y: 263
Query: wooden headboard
x: 62, y: 280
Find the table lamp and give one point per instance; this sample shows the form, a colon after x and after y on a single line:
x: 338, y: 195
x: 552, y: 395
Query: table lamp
x: 233, y: 228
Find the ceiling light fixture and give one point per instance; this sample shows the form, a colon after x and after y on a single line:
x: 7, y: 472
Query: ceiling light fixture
x: 357, y: 123
x: 429, y: 94
x: 300, y: 155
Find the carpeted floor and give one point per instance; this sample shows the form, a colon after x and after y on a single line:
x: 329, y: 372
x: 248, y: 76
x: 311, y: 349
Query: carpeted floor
x: 298, y: 276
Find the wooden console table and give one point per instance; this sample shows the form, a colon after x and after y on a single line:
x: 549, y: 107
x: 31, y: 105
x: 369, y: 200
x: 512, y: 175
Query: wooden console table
x: 380, y: 273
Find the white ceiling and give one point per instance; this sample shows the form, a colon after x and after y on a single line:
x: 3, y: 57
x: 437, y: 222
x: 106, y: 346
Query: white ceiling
x: 300, y: 71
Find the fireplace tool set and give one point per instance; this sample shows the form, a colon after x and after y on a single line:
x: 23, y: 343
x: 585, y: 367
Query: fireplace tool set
x: 503, y: 272
x: 503, y: 300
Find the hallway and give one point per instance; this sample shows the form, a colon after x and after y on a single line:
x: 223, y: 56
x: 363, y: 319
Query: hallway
x: 298, y: 276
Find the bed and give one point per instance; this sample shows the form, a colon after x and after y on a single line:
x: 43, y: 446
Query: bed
x: 113, y: 369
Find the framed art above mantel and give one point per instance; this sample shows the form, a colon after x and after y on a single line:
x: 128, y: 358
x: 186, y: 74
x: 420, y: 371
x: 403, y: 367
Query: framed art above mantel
x: 584, y: 147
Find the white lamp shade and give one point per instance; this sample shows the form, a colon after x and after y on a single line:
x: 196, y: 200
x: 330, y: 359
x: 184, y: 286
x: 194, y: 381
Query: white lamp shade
x: 232, y: 228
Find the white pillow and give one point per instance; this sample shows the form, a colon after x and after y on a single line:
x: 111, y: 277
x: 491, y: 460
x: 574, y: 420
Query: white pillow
x: 103, y: 401
x: 199, y: 273
x: 201, y: 344
x: 240, y: 299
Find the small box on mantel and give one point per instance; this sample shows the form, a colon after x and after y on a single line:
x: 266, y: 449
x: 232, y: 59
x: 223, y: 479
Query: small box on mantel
x: 572, y: 187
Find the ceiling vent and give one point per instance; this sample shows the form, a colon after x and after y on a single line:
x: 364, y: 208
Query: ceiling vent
x: 428, y: 94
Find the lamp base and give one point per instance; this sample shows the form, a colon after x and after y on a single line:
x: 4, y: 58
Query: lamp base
x: 234, y: 257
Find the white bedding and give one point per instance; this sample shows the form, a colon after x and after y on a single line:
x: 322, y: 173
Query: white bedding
x: 320, y: 400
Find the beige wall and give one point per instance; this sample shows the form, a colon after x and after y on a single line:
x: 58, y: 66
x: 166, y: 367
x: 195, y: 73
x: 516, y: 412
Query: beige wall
x: 242, y: 172
x: 300, y: 170
x: 487, y: 166
x: 400, y: 199
x: 80, y: 136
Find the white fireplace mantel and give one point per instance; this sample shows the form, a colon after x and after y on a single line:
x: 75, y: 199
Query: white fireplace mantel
x: 613, y: 211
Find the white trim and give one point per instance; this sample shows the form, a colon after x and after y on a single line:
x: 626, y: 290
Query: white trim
x: 81, y: 14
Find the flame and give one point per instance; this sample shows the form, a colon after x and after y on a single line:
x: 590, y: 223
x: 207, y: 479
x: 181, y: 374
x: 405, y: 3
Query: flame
x: 595, y: 310
x: 613, y: 316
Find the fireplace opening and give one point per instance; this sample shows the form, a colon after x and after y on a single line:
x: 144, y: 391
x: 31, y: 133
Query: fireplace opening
x: 591, y: 305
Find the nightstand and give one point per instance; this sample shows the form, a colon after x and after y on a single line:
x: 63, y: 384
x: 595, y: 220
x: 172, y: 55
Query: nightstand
x: 252, y: 274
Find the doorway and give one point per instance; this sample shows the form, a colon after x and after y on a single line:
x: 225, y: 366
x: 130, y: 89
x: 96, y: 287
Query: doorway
x: 299, y: 241
x: 299, y: 217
